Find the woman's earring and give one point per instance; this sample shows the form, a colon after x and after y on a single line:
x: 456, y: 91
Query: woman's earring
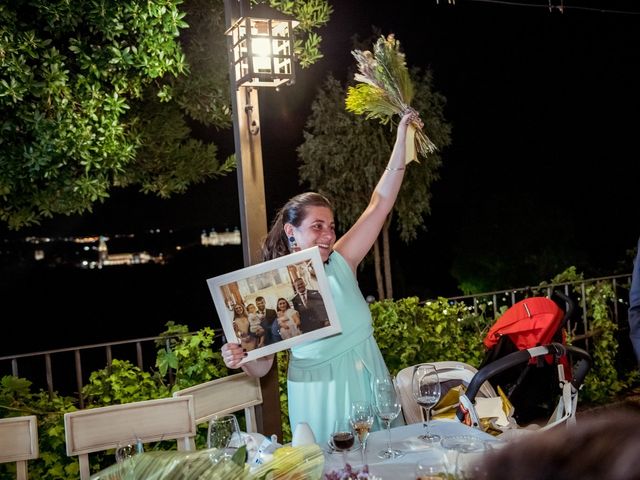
x: 293, y: 245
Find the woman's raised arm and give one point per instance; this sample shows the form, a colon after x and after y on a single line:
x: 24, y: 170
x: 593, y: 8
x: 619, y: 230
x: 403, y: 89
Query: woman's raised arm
x: 357, y: 242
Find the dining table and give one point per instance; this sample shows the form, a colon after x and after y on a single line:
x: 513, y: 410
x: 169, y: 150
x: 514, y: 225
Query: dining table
x: 158, y: 465
x: 405, y: 439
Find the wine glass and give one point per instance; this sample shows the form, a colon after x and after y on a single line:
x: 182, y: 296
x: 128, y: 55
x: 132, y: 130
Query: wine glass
x: 362, y: 421
x: 469, y: 451
x: 469, y: 460
x: 432, y: 465
x: 342, y: 438
x: 426, y: 391
x: 224, y: 434
x: 387, y: 407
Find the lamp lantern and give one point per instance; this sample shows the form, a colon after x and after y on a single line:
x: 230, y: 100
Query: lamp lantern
x: 262, y: 47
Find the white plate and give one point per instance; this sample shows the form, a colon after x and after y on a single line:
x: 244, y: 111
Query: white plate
x: 467, y: 443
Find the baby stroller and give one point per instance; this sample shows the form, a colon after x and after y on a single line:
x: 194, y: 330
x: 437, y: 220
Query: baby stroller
x: 566, y: 390
x: 475, y: 401
x: 531, y: 387
x: 527, y: 360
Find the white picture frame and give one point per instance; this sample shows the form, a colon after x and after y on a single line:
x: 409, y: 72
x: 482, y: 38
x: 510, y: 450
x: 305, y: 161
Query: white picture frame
x: 274, y: 280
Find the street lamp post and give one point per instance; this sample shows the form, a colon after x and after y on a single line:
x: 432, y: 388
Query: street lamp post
x: 260, y: 46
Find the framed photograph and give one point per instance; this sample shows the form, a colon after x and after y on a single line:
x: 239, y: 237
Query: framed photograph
x: 276, y: 305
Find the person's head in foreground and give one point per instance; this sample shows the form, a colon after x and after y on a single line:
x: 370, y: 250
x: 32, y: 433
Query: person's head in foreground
x: 605, y: 446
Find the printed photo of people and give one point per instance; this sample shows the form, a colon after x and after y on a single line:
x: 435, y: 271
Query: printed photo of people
x: 275, y: 305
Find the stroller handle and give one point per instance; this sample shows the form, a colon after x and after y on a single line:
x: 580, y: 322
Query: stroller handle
x: 522, y: 356
x: 569, y: 306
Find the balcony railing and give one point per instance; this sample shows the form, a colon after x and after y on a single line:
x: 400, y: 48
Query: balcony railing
x: 579, y: 325
x: 76, y: 359
x: 30, y: 365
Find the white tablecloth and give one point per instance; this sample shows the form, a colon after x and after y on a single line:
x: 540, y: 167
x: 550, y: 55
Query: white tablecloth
x: 404, y: 438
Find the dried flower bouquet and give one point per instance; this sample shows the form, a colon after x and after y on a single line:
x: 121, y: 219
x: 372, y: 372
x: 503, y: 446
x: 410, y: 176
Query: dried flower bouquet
x: 385, y: 89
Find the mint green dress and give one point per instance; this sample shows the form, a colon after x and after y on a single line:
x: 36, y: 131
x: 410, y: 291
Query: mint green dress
x: 326, y: 375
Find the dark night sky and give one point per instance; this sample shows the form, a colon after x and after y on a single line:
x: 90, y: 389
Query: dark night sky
x: 544, y: 108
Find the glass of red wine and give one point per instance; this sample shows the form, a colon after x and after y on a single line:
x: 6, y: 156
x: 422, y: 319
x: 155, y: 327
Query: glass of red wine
x: 342, y: 438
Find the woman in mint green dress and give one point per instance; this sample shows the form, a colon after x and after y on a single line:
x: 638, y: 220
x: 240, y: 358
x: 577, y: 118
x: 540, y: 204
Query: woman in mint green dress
x: 326, y: 375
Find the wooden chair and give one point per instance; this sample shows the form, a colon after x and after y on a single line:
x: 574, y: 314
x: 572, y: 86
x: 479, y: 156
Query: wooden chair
x: 451, y: 374
x: 103, y: 428
x: 225, y: 395
x: 19, y: 442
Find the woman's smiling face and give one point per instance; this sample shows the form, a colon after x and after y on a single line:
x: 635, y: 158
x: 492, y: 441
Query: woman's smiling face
x: 317, y: 229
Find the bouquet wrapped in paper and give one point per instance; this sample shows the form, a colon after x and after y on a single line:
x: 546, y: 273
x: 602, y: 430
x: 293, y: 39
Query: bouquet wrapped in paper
x: 159, y: 465
x: 305, y: 462
x: 385, y: 89
x: 288, y: 463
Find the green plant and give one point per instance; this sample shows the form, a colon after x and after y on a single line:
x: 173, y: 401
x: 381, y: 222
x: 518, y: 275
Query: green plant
x: 16, y: 399
x: 190, y: 356
x: 121, y: 382
x: 430, y: 331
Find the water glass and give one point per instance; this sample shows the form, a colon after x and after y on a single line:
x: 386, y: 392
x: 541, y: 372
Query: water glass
x: 387, y: 407
x: 224, y: 434
x: 432, y: 465
x: 468, y: 453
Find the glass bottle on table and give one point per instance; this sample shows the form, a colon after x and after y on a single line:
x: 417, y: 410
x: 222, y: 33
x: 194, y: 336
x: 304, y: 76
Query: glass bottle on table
x: 362, y: 421
x: 426, y: 391
x: 387, y: 406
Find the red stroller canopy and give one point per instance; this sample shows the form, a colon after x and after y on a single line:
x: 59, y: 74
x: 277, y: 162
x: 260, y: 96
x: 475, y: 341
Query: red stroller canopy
x: 530, y: 322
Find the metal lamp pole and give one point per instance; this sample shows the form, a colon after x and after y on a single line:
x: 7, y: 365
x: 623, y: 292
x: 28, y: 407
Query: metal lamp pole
x: 247, y: 71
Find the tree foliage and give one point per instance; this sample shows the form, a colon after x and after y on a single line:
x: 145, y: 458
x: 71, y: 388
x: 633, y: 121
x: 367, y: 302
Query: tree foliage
x: 343, y: 155
x: 169, y: 159
x: 96, y: 95
x: 312, y: 14
x: 69, y: 73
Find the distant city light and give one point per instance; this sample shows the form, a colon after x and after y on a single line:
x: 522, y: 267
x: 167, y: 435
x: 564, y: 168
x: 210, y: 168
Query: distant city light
x: 214, y: 238
x: 94, y: 252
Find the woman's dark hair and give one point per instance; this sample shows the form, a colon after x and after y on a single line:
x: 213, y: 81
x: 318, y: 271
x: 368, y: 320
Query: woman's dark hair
x: 278, y: 301
x: 276, y: 244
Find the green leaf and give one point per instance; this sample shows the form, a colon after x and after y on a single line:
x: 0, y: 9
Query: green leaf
x: 240, y: 456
